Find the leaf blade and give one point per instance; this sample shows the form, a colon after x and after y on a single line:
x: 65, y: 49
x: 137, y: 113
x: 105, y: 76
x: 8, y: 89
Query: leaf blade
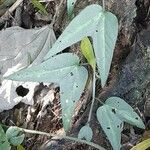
x: 111, y: 125
x: 48, y: 72
x: 71, y: 92
x: 85, y: 132
x: 38, y: 5
x: 104, y: 41
x: 80, y: 27
x: 124, y: 111
x: 70, y: 6
x: 87, y: 51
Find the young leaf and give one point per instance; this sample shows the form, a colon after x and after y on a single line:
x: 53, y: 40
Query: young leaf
x: 20, y: 147
x: 86, y: 133
x: 63, y: 69
x: 38, y: 5
x: 14, y: 136
x: 124, y: 111
x: 101, y: 26
x: 87, y: 51
x: 143, y: 145
x: 111, y: 125
x: 70, y: 6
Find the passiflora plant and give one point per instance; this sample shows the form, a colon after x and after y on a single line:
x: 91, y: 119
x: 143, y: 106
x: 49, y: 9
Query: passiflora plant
x: 66, y: 70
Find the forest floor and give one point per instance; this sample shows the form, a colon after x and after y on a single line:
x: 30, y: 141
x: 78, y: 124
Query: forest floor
x: 129, y: 76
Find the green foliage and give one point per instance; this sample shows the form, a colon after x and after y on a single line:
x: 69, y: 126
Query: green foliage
x: 4, y: 144
x: 69, y: 75
x: 87, y: 51
x: 70, y: 6
x: 38, y: 5
x: 14, y: 136
x: 66, y: 70
x: 101, y: 26
x: 86, y: 133
x: 111, y: 116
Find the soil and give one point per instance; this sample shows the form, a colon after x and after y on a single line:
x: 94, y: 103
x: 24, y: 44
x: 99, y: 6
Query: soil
x: 129, y: 76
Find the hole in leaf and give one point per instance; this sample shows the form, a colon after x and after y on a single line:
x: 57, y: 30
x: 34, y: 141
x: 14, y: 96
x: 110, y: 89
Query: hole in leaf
x: 72, y: 3
x: 21, y: 91
x: 108, y: 127
x: 71, y: 74
x: 136, y: 118
x: 118, y: 126
x: 96, y: 30
x: 60, y: 41
x: 114, y: 111
x: 77, y: 86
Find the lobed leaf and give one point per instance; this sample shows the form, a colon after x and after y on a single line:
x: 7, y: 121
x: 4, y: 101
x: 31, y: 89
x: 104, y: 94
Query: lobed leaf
x: 112, y: 114
x: 124, y: 111
x: 63, y: 69
x: 101, y: 26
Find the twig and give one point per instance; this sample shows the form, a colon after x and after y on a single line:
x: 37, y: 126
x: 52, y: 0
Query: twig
x: 93, y: 97
x: 10, y: 10
x: 63, y: 137
x: 57, y: 12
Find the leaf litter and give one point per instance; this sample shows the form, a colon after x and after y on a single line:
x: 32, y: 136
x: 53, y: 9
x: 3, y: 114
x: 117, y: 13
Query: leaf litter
x: 20, y: 48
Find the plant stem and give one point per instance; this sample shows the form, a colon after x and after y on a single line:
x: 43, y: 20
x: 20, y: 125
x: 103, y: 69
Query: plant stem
x: 93, y: 97
x: 64, y: 137
x: 103, y: 5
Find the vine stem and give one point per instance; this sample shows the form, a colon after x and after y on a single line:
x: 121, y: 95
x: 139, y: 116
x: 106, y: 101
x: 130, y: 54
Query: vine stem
x: 93, y: 96
x: 63, y: 137
x: 103, y: 5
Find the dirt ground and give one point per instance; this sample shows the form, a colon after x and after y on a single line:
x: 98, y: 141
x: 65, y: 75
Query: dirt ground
x: 129, y: 76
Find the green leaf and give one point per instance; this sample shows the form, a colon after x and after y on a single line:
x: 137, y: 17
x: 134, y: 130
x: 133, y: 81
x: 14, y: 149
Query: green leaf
x: 143, y: 145
x: 15, y: 136
x: 71, y: 88
x: 87, y: 51
x: 70, y: 6
x: 4, y: 144
x: 104, y: 41
x: 112, y: 114
x: 111, y: 125
x: 52, y: 70
x: 38, y: 5
x: 101, y: 26
x: 124, y: 111
x: 86, y: 133
x: 20, y: 147
x: 63, y: 69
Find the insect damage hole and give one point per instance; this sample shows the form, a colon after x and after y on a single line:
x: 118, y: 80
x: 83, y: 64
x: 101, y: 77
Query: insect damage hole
x: 21, y: 91
x: 114, y: 111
